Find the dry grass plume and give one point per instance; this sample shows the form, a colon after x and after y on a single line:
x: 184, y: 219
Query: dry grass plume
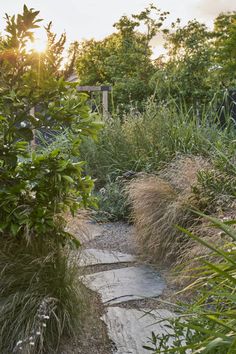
x: 159, y: 204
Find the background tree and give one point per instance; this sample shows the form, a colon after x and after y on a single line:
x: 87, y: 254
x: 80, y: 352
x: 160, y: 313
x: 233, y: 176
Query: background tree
x: 186, y: 73
x: 122, y: 59
x: 199, y: 63
x: 225, y: 46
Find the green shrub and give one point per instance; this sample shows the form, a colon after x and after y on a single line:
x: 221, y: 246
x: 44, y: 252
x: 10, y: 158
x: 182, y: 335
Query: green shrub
x: 208, y: 324
x: 37, y: 187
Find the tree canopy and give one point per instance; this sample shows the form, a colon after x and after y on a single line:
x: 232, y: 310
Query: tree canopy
x: 122, y: 59
x: 199, y: 61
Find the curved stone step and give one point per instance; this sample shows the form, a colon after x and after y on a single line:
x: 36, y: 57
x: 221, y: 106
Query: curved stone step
x: 93, y: 256
x: 131, y: 283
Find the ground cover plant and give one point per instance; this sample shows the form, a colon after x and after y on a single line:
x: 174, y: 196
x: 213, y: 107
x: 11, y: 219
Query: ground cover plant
x: 39, y: 297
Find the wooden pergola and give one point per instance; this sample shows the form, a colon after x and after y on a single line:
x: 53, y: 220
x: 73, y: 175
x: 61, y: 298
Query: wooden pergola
x: 105, y: 90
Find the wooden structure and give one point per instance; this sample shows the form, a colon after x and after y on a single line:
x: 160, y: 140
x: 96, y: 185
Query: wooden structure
x: 105, y: 90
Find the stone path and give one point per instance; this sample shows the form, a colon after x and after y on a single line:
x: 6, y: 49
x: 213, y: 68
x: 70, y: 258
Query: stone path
x: 123, y: 281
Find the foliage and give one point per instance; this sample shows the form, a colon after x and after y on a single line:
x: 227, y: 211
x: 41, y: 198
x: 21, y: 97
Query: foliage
x: 199, y: 64
x: 122, y: 59
x: 112, y: 202
x: 208, y: 324
x: 216, y: 188
x: 186, y: 73
x: 41, y: 299
x: 225, y: 34
x: 145, y: 141
x: 37, y: 187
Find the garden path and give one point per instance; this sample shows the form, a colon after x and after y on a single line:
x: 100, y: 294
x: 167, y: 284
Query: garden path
x: 129, y: 289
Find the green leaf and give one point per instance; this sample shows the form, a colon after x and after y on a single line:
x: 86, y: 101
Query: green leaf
x: 68, y: 179
x: 25, y: 133
x: 15, y: 229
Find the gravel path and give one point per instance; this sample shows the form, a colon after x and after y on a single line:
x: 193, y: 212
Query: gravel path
x: 115, y: 236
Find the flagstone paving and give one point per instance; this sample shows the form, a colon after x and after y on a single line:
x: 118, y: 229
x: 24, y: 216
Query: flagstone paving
x: 93, y: 256
x: 128, y: 327
x: 131, y: 329
x: 131, y: 283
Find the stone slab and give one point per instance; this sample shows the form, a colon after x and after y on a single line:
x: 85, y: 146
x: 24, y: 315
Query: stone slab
x: 130, y: 329
x: 131, y: 283
x: 92, y: 256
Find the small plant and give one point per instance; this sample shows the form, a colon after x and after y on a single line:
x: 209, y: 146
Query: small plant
x: 112, y: 202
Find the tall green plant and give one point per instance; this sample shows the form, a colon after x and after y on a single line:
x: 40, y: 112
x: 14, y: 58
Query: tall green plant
x: 208, y: 325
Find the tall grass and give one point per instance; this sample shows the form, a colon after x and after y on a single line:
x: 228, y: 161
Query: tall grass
x: 156, y: 207
x: 145, y: 141
x: 208, y: 325
x: 40, y: 298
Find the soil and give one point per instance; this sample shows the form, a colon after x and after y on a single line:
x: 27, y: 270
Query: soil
x: 92, y: 337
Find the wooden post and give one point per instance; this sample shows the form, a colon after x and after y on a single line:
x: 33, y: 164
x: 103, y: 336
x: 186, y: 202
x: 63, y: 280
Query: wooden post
x: 105, y: 104
x: 104, y: 90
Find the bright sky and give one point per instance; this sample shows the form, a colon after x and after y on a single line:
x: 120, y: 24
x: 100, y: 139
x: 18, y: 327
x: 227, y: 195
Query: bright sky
x: 85, y: 19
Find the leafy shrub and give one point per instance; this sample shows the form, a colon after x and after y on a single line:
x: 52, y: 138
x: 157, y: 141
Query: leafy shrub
x: 37, y: 187
x: 208, y: 325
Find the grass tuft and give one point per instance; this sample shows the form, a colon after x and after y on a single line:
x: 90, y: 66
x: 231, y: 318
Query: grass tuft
x: 159, y: 204
x: 40, y: 298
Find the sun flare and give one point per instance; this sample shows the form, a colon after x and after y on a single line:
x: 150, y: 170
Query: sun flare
x: 37, y: 45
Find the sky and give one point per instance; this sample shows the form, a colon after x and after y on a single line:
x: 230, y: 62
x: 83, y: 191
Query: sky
x: 85, y: 19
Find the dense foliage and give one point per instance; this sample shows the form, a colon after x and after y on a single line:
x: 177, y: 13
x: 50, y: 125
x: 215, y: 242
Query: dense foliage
x: 122, y: 59
x: 199, y: 63
x: 40, y: 297
x: 35, y: 187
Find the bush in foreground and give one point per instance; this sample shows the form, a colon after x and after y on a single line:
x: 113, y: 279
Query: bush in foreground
x: 208, y: 324
x: 39, y: 298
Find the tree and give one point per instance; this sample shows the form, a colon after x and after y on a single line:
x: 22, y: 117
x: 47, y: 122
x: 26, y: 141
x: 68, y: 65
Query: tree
x: 225, y: 44
x: 199, y: 62
x: 186, y: 75
x: 122, y: 59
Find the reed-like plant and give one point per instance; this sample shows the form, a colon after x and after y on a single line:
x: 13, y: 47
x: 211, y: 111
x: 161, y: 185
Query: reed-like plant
x: 208, y: 324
